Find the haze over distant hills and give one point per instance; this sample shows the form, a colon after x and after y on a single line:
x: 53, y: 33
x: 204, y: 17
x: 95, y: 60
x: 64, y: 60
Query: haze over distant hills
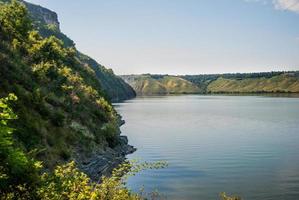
x: 265, y: 82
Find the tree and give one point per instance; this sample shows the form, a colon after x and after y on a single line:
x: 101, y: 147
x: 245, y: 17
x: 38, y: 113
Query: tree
x: 16, y: 168
x: 15, y: 23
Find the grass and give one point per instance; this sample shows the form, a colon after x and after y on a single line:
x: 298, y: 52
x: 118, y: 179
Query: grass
x: 146, y: 85
x: 282, y: 83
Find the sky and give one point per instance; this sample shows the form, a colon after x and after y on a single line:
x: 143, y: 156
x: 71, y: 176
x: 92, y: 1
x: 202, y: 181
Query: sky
x: 183, y: 36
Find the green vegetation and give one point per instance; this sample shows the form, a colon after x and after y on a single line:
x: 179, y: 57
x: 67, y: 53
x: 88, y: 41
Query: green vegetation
x: 46, y: 23
x: 55, y: 91
x: 223, y: 196
x: 265, y: 82
x: 115, y: 88
x: 21, y: 177
x: 281, y: 83
x: 160, y: 85
x: 16, y: 168
x: 59, y: 112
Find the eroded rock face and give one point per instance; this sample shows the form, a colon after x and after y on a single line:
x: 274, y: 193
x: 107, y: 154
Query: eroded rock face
x: 102, y: 163
x: 44, y: 15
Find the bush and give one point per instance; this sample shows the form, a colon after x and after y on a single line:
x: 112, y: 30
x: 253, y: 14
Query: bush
x: 58, y: 118
x: 109, y: 133
x: 65, y: 154
x: 223, y: 196
x: 16, y: 169
x: 67, y: 182
x: 14, y: 21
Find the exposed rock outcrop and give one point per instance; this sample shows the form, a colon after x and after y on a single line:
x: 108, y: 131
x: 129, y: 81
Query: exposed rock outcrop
x: 46, y: 22
x: 103, y: 162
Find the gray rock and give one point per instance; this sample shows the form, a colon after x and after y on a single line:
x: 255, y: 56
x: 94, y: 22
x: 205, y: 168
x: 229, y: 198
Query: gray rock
x: 102, y: 163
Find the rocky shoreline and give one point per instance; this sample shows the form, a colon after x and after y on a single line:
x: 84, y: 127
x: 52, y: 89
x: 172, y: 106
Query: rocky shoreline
x: 102, y: 162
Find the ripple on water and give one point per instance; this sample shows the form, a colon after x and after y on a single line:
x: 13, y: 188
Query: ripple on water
x: 243, y: 145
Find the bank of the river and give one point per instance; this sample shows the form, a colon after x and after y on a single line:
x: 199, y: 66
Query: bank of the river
x: 103, y: 161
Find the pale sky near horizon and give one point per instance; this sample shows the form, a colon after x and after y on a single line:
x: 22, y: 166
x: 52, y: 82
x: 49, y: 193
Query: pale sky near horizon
x: 183, y: 36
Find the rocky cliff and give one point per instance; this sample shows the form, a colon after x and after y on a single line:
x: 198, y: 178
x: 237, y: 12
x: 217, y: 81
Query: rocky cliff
x: 46, y: 22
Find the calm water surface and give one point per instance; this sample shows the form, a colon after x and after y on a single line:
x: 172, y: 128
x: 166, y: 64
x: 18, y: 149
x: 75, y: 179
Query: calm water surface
x: 245, y: 145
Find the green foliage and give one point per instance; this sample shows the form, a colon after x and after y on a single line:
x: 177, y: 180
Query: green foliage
x: 16, y: 169
x: 58, y: 118
x: 109, y: 131
x: 115, y: 88
x: 19, y: 175
x: 54, y: 87
x: 45, y: 50
x: 67, y: 183
x: 223, y: 196
x: 14, y: 21
x: 13, y: 161
x: 161, y: 85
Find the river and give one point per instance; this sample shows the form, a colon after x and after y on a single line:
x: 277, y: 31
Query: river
x: 245, y: 145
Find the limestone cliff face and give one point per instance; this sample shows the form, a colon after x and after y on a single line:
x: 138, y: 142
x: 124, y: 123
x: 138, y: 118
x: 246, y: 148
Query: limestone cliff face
x: 43, y: 15
x: 46, y: 21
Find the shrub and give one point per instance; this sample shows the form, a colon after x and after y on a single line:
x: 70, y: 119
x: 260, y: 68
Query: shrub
x: 67, y: 182
x: 14, y: 21
x: 223, y: 196
x: 16, y: 169
x: 58, y: 118
x: 109, y: 133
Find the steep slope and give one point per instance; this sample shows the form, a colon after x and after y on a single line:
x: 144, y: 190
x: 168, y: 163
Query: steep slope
x: 160, y: 85
x: 62, y: 109
x: 116, y: 88
x: 46, y: 22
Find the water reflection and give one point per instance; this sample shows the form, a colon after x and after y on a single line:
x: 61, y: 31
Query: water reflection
x: 238, y: 144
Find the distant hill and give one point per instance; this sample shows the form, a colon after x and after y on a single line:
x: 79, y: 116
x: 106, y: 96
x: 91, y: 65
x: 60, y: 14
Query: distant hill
x: 276, y: 84
x: 161, y: 85
x: 264, y: 82
x: 46, y: 22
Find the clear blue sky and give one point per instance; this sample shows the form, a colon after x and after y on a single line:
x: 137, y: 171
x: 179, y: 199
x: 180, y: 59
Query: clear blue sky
x: 183, y: 36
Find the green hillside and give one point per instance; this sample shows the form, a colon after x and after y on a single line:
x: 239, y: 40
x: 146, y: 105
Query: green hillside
x: 62, y: 108
x: 151, y: 85
x: 267, y: 82
x: 276, y: 84
x: 47, y: 24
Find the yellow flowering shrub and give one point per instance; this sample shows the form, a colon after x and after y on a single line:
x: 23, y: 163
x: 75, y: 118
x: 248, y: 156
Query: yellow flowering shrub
x: 68, y: 183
